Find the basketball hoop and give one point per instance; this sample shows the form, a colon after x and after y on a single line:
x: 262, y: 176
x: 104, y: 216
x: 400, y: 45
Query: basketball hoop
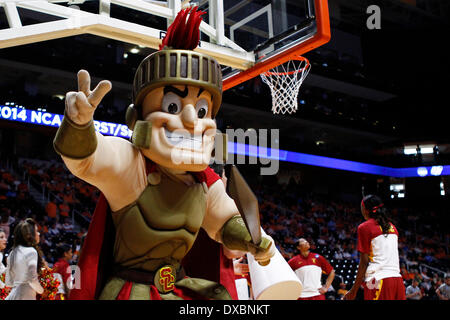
x: 284, y: 82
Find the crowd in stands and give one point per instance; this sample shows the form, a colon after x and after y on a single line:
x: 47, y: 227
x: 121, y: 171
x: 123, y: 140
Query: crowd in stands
x: 16, y: 204
x: 63, y: 191
x: 288, y: 212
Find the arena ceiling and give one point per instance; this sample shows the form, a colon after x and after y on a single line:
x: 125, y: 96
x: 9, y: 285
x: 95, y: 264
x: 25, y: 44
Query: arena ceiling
x: 406, y: 57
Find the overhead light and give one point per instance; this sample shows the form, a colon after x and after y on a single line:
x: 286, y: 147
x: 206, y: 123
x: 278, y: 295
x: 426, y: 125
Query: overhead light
x: 320, y: 142
x: 409, y: 151
x: 436, y: 170
x: 397, y: 187
x: 134, y: 50
x: 58, y: 96
x: 141, y: 46
x: 424, y: 149
x: 422, y: 171
x: 125, y: 55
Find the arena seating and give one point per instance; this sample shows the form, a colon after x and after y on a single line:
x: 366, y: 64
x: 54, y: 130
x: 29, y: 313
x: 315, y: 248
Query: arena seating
x: 17, y: 203
x: 315, y: 214
x: 287, y: 215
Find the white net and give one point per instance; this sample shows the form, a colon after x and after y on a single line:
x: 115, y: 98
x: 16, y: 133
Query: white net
x: 284, y: 82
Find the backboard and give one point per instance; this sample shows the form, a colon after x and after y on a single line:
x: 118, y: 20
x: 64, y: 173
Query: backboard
x: 247, y: 37
x: 274, y: 31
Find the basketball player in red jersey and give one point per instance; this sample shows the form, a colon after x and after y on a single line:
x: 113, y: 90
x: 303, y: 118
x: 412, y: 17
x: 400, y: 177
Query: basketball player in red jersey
x: 308, y: 267
x: 379, y: 262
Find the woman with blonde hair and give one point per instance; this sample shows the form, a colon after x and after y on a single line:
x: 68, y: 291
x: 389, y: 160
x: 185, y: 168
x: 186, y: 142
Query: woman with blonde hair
x: 23, y: 262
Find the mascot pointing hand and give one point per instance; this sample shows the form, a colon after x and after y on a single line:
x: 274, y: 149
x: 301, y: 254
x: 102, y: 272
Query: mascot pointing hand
x: 157, y: 189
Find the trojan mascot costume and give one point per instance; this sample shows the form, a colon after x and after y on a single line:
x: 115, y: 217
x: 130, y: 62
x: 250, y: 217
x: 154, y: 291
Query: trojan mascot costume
x: 157, y: 189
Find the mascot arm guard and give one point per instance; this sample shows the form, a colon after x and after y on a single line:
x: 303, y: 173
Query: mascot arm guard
x: 75, y: 141
x: 224, y: 224
x: 235, y: 236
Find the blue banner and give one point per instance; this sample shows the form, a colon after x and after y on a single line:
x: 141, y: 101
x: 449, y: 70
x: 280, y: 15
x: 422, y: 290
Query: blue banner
x: 54, y: 120
x: 121, y: 130
x: 333, y: 163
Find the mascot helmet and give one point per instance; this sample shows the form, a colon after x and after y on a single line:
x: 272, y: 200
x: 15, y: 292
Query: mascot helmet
x: 177, y: 64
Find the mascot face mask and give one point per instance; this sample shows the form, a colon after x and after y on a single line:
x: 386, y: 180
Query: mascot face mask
x: 181, y: 129
x: 177, y: 92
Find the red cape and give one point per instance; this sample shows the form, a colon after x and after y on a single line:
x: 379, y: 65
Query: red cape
x: 205, y: 260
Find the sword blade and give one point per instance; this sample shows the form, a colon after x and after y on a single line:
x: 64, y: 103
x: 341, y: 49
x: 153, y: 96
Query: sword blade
x: 246, y: 202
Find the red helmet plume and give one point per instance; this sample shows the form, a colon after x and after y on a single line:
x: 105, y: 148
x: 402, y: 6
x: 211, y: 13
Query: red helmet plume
x: 183, y: 34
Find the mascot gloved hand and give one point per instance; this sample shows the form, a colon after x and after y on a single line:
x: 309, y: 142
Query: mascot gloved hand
x: 78, y: 121
x: 80, y: 106
x: 235, y: 236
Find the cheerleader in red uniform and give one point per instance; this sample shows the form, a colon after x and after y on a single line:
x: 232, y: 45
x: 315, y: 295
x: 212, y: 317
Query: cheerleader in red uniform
x: 379, y: 269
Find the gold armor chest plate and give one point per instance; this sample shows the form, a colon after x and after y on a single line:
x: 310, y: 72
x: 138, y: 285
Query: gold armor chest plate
x: 160, y: 227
